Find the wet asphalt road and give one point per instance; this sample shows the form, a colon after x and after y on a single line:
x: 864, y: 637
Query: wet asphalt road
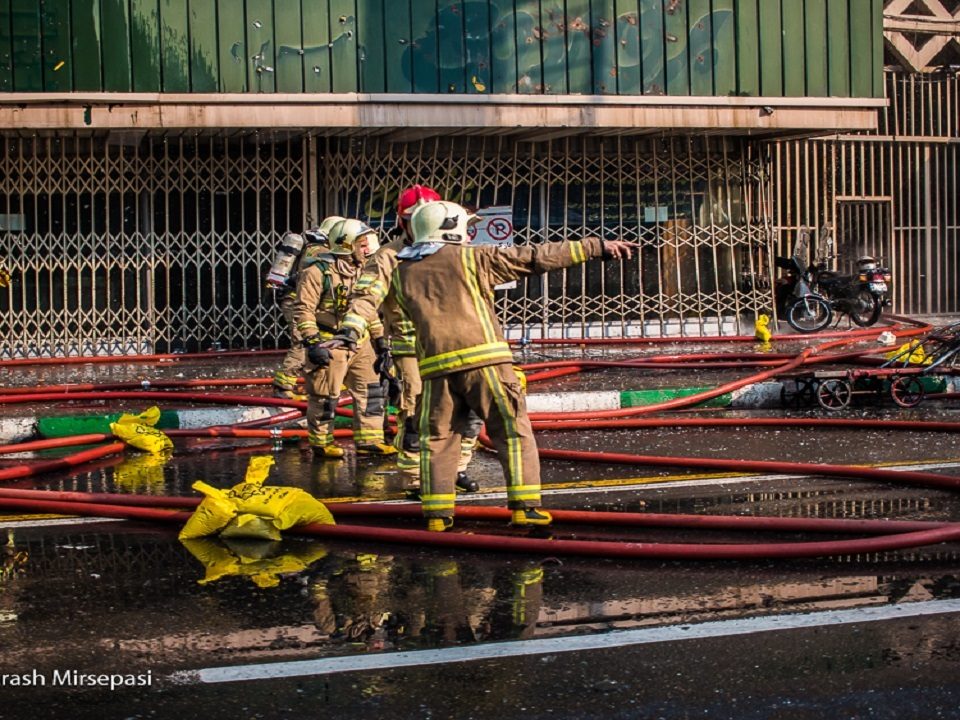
x: 129, y: 598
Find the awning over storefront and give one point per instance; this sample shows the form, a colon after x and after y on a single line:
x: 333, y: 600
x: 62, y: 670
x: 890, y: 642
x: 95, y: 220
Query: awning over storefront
x: 411, y: 117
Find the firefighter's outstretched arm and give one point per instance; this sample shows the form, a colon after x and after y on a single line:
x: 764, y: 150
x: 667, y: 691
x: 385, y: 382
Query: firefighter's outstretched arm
x: 504, y: 265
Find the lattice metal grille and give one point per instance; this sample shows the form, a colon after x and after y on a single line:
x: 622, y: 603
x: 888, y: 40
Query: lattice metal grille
x: 136, y: 244
x: 693, y: 205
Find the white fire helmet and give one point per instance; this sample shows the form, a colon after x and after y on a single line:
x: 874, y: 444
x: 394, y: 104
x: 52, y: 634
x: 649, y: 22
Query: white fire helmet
x: 345, y: 239
x: 321, y: 234
x: 441, y: 221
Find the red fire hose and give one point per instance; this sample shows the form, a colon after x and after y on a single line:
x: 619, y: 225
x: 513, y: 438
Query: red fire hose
x: 65, y: 463
x: 895, y: 535
x: 500, y: 543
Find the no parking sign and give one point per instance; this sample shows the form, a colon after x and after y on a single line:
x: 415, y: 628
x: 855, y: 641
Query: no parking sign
x: 495, y: 227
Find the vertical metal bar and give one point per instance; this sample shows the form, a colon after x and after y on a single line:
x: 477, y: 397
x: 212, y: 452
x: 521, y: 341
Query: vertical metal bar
x: 676, y: 239
x: 601, y: 182
x: 926, y: 295
x: 143, y: 223
x: 311, y: 206
x: 621, y: 275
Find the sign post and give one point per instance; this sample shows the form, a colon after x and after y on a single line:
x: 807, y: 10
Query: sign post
x: 495, y: 227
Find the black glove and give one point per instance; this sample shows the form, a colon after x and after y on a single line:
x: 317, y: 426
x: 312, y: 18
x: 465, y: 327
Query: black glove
x: 316, y: 353
x: 384, y: 362
x: 280, y: 294
x: 348, y: 338
x: 393, y: 389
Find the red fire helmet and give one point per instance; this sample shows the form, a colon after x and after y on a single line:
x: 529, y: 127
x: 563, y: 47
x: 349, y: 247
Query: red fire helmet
x: 411, y: 196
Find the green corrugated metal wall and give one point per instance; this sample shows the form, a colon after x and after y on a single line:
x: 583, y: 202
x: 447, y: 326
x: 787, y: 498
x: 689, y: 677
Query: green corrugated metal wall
x: 617, y: 47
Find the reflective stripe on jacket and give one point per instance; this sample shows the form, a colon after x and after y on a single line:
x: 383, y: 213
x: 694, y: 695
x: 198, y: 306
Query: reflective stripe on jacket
x: 322, y: 291
x: 371, y: 295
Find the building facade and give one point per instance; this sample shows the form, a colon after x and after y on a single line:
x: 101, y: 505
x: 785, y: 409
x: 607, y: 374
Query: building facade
x: 154, y: 151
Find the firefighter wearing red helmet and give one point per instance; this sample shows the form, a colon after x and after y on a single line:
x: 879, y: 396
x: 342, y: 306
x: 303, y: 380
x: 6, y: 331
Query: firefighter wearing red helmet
x: 366, y: 304
x: 465, y: 362
x: 322, y: 293
x: 408, y: 201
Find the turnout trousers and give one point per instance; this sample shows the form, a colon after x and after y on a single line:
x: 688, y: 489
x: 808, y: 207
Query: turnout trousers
x: 408, y: 457
x: 292, y: 365
x: 494, y: 394
x: 355, y: 370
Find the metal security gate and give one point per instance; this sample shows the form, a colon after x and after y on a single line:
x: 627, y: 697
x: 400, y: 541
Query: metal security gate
x: 864, y: 227
x: 132, y: 243
x: 127, y: 243
x: 693, y: 205
x: 900, y: 183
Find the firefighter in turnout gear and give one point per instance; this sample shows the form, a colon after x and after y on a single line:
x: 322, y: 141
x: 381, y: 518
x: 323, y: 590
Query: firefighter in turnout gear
x: 322, y: 291
x: 370, y: 297
x: 284, y: 284
x: 446, y: 287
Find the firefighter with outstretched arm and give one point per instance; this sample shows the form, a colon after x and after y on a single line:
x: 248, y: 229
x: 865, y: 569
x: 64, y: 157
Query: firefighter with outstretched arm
x: 445, y: 287
x: 368, y: 300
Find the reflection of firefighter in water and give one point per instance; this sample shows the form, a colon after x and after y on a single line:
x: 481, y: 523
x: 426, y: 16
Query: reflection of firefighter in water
x: 449, y: 604
x: 354, y: 604
x: 446, y: 618
x: 515, y: 613
x: 13, y: 564
x: 12, y: 561
x: 354, y: 478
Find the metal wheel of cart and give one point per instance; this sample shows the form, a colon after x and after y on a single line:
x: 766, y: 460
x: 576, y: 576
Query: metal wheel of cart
x: 906, y: 391
x: 834, y: 394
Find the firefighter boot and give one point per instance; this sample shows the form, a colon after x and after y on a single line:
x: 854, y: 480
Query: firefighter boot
x: 439, y: 524
x: 376, y: 449
x: 284, y: 386
x: 328, y: 452
x: 465, y: 484
x: 531, y: 517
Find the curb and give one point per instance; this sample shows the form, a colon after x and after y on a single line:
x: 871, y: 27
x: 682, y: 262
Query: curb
x: 756, y: 396
x: 22, y: 429
x: 759, y: 396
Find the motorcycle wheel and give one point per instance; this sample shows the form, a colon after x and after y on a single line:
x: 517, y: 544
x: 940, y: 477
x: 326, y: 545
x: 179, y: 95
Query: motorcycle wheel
x: 865, y: 308
x: 810, y: 313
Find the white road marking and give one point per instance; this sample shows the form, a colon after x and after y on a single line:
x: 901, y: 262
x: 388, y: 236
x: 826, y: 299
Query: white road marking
x: 55, y: 521
x: 654, y: 484
x: 575, y: 643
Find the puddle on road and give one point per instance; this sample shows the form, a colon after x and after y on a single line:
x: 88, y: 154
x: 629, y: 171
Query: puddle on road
x: 103, y: 598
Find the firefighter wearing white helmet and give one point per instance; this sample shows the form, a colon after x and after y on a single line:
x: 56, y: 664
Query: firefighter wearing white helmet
x: 370, y: 300
x: 354, y: 238
x: 282, y: 279
x: 321, y: 301
x: 445, y: 287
